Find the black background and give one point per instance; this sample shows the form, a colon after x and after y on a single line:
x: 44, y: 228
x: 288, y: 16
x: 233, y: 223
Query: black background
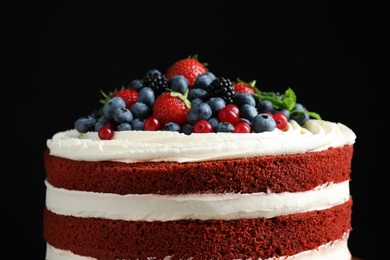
x: 57, y: 57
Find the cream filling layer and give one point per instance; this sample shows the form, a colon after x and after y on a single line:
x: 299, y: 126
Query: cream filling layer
x: 330, y: 251
x: 152, y: 207
x: 139, y: 146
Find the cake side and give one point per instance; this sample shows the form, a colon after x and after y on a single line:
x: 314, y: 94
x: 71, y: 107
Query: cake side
x: 282, y: 173
x: 201, y: 239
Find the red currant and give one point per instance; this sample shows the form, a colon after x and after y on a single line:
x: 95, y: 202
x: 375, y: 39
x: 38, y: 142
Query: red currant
x: 234, y: 108
x: 203, y: 126
x: 242, y: 128
x: 280, y: 120
x: 151, y: 124
x: 105, y: 133
x: 230, y: 113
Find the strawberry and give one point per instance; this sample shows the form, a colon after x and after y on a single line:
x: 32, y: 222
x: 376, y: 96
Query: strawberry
x: 171, y: 106
x: 244, y: 87
x: 189, y: 67
x: 128, y: 95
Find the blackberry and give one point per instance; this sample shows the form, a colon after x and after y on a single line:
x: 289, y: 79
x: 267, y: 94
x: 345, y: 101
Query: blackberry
x: 156, y: 81
x: 222, y: 87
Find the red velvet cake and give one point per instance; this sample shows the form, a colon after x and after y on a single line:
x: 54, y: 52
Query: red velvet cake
x: 168, y: 188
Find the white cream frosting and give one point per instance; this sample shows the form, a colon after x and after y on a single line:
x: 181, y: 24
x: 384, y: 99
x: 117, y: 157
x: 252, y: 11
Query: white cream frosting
x: 138, y: 146
x: 330, y: 251
x: 227, y: 206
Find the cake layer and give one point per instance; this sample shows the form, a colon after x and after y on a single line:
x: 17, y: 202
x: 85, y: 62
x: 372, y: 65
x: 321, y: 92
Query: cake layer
x: 281, y: 173
x: 330, y: 251
x: 202, y: 239
x: 152, y: 207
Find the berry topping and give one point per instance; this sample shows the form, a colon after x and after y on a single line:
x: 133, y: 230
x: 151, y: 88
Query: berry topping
x: 222, y: 87
x: 171, y: 107
x: 192, y: 100
x: 189, y: 67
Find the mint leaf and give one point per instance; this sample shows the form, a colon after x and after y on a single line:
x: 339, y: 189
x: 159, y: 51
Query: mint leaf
x: 288, y: 101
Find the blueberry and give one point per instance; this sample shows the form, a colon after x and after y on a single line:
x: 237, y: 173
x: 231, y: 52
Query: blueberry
x: 198, y: 112
x: 203, y: 81
x: 85, y: 124
x: 224, y: 127
x: 187, y: 129
x: 153, y: 71
x: 214, y: 122
x: 124, y: 127
x: 137, y: 124
x: 146, y: 95
x: 140, y: 110
x: 244, y: 98
x: 299, y: 114
x: 196, y: 101
x: 135, y: 84
x: 265, y: 106
x: 216, y: 103
x: 101, y: 122
x: 112, y: 105
x: 211, y: 75
x: 248, y: 111
x: 122, y: 115
x: 263, y: 123
x: 171, y: 126
x: 178, y: 83
x: 285, y: 112
x: 197, y: 93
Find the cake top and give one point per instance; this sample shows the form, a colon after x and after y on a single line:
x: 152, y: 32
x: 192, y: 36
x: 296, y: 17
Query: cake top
x: 188, y: 98
x: 189, y: 114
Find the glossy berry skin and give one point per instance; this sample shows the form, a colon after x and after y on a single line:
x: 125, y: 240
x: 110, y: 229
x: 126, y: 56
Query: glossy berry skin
x: 190, y: 68
x: 106, y: 133
x: 203, y: 126
x: 263, y: 122
x: 170, y: 108
x: 151, y: 124
x: 242, y: 128
x: 229, y: 114
x: 280, y: 120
